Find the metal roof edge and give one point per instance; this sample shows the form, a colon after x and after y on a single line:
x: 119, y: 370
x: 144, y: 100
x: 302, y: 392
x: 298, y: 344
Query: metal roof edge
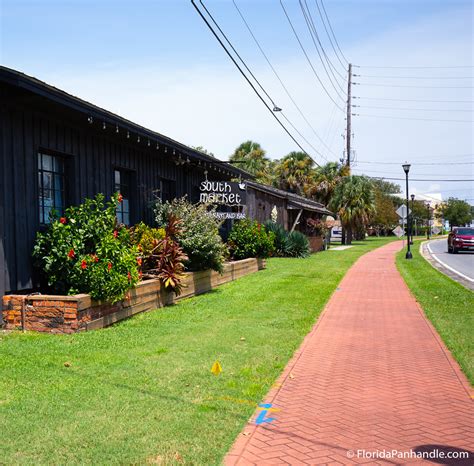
x: 32, y: 84
x: 291, y: 197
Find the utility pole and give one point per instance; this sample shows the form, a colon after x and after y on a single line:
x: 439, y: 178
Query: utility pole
x: 349, y: 116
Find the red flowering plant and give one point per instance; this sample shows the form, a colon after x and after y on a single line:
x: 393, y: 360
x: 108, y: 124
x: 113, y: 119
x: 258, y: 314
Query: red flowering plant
x: 85, y: 251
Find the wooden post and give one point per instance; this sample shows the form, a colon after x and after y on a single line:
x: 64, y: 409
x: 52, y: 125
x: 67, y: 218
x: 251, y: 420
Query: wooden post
x: 296, y: 221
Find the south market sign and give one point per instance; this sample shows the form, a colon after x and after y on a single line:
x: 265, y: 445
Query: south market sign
x: 226, y: 193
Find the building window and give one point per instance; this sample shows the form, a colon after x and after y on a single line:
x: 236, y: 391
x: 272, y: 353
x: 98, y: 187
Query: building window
x: 122, y: 185
x: 167, y: 190
x: 51, y: 180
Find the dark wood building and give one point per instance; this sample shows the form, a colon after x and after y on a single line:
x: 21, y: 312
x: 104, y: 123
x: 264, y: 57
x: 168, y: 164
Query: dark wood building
x: 56, y: 150
x: 292, y: 210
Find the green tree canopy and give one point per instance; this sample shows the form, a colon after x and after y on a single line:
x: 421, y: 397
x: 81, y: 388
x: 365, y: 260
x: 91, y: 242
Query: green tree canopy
x: 456, y: 211
x: 254, y: 160
x: 326, y: 178
x: 385, y: 217
x: 354, y: 202
x: 295, y: 173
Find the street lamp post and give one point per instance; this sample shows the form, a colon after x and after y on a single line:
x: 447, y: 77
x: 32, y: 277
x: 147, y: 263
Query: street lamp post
x: 411, y: 217
x: 428, y: 216
x: 406, y: 169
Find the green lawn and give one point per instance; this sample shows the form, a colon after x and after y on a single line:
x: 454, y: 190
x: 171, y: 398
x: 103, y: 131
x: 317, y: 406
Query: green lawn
x: 446, y: 303
x: 142, y: 392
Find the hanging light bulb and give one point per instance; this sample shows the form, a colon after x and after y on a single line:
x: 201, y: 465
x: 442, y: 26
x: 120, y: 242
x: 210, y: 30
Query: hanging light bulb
x: 128, y: 134
x: 174, y: 152
x: 157, y: 146
x: 166, y: 149
x: 116, y: 129
x: 104, y: 126
x: 138, y: 138
x: 148, y: 144
x: 90, y: 120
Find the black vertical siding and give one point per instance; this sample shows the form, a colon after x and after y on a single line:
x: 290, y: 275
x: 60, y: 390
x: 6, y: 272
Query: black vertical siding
x: 30, y: 124
x: 3, y: 168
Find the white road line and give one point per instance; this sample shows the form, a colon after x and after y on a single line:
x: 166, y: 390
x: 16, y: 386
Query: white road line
x: 448, y: 267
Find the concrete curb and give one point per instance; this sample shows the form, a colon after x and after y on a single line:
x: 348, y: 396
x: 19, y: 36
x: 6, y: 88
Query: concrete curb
x: 426, y: 254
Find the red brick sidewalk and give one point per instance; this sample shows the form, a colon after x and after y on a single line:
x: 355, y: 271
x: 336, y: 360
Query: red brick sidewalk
x: 371, y: 375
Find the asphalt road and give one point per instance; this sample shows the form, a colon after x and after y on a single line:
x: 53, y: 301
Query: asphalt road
x: 463, y: 262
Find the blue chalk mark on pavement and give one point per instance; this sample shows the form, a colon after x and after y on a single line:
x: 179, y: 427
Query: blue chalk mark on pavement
x: 261, y: 419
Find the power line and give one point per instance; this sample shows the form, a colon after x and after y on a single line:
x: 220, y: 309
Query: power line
x: 416, y: 164
x: 417, y: 87
x: 414, y: 174
x: 415, y: 67
x: 410, y: 118
x: 247, y: 79
x: 412, y: 77
x: 416, y: 100
x: 424, y: 179
x: 280, y: 80
x: 329, y: 35
x: 332, y: 32
x: 307, y: 57
x: 238, y: 55
x: 302, y: 136
x: 418, y: 109
x: 314, y: 35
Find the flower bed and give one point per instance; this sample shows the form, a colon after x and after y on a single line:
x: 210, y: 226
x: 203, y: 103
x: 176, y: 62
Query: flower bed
x: 70, y: 314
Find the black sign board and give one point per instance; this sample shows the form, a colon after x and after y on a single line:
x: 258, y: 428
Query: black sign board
x: 226, y: 193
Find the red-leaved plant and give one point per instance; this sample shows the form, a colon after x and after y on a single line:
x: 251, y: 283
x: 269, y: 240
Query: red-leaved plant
x: 169, y: 257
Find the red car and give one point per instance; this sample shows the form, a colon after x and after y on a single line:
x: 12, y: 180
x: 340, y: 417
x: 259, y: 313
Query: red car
x: 461, y: 238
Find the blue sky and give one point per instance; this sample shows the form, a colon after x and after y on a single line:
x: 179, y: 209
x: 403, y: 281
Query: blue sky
x: 156, y: 63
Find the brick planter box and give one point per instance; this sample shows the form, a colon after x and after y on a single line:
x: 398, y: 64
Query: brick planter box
x: 69, y: 314
x: 316, y: 243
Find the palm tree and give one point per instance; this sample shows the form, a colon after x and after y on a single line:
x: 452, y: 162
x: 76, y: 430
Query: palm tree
x: 295, y: 172
x: 327, y: 177
x: 354, y: 202
x: 253, y: 160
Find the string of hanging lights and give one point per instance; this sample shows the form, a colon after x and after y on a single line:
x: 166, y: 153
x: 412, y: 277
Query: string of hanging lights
x: 179, y: 159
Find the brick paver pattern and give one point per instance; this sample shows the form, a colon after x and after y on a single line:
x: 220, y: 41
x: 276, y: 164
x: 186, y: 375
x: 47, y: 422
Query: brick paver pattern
x: 371, y: 375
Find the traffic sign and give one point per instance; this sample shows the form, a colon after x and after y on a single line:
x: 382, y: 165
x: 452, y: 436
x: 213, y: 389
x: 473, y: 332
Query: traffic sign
x: 402, y: 211
x: 435, y: 230
x: 399, y: 231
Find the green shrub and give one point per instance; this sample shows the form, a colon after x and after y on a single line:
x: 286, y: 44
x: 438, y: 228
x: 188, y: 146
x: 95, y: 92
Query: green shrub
x: 86, y: 252
x: 146, y: 239
x: 250, y: 239
x: 297, y: 245
x: 281, y: 237
x: 199, y: 233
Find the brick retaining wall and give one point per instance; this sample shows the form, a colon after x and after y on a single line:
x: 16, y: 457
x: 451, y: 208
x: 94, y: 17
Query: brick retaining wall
x: 69, y: 314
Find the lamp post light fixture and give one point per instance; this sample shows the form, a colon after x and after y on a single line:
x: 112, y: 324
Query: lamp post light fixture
x: 406, y: 169
x: 411, y: 218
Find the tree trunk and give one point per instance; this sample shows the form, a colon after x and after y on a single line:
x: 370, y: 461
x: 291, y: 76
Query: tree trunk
x: 348, y: 235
